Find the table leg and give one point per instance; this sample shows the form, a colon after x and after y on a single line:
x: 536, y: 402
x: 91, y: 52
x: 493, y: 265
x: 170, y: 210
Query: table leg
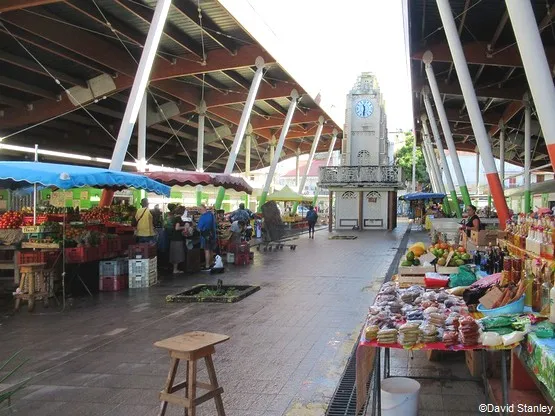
x: 378, y: 382
x: 374, y: 383
x: 504, y: 385
x: 484, y: 357
x: 386, y: 363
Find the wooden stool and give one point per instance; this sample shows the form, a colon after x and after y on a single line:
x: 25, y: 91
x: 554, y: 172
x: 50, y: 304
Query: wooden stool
x: 32, y: 285
x: 191, y: 346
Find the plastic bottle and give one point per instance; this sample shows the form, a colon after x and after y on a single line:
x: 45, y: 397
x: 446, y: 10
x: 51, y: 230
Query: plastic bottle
x: 537, y: 287
x: 546, y: 292
x: 529, y: 283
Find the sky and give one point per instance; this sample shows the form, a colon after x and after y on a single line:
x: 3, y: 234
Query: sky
x: 325, y: 44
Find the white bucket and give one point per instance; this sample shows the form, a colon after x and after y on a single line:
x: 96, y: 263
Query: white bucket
x: 400, y: 396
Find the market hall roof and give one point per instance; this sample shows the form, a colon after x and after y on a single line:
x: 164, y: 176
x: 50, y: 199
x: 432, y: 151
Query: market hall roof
x: 98, y: 43
x: 495, y: 67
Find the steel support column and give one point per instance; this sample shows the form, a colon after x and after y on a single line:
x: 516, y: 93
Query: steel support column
x: 141, y: 135
x: 442, y: 157
x: 137, y: 91
x: 248, y: 151
x: 473, y: 109
x: 297, y: 167
x: 200, y: 147
x: 538, y: 73
x: 435, y: 165
x: 310, y: 159
x: 427, y: 58
x: 430, y: 170
x: 279, y: 147
x: 502, y: 155
x: 328, y: 159
x: 477, y: 174
x: 247, y: 109
x: 527, y: 154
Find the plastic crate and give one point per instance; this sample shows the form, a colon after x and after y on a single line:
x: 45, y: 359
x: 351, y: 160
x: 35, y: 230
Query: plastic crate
x: 142, y: 273
x: 36, y: 256
x: 112, y: 283
x: 142, y: 251
x: 116, y: 267
x: 76, y: 255
x: 114, y: 245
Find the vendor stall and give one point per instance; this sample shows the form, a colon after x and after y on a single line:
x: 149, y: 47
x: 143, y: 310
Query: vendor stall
x: 419, y: 206
x: 286, y: 194
x: 71, y: 237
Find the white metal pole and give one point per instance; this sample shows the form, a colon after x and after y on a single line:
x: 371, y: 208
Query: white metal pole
x: 442, y: 157
x: 312, y: 153
x: 200, y: 147
x: 527, y: 154
x: 477, y: 173
x: 297, y: 167
x: 473, y: 109
x: 248, y: 150
x: 247, y: 109
x: 431, y: 154
x: 141, y: 143
x: 140, y: 82
x: 538, y: 72
x: 332, y: 146
x: 279, y: 146
x: 427, y: 58
x: 429, y: 167
x: 502, y: 156
x: 200, y: 136
x: 310, y: 158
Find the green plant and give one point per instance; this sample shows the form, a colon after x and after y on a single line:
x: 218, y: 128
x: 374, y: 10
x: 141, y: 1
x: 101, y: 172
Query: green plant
x: 6, y: 394
x: 209, y: 293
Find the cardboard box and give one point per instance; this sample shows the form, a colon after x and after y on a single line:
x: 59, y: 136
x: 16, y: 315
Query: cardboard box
x: 415, y: 270
x: 484, y: 237
x: 473, y: 360
x: 491, y: 297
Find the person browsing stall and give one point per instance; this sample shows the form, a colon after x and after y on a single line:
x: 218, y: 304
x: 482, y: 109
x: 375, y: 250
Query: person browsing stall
x: 144, y: 223
x: 473, y: 223
x: 207, y: 227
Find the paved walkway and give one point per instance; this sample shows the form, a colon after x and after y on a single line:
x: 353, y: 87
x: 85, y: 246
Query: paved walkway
x: 288, y: 348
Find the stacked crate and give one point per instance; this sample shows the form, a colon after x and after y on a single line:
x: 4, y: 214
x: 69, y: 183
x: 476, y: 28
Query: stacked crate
x: 142, y: 273
x: 113, y: 275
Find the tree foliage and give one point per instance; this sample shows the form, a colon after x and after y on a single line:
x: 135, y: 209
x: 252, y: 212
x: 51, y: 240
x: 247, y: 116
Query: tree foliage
x: 403, y: 158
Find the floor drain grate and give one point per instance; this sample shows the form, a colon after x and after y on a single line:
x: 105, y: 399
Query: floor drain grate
x: 344, y: 400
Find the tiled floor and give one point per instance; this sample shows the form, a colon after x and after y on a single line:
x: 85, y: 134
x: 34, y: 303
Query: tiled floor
x: 288, y: 348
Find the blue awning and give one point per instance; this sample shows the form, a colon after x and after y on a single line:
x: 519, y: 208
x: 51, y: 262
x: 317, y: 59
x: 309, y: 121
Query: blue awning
x: 16, y: 175
x: 421, y: 196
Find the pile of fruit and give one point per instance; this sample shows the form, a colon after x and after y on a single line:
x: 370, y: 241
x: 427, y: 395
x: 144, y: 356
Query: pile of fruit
x: 74, y: 233
x: 10, y: 220
x: 97, y: 214
x: 412, y: 258
x: 442, y: 251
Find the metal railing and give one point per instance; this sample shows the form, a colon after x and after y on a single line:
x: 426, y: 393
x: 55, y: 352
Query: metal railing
x: 337, y: 175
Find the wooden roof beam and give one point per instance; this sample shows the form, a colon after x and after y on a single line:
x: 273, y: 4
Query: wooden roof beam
x: 170, y: 30
x: 10, y: 5
x: 207, y: 25
x: 30, y: 89
x: 86, y: 8
x: 477, y: 53
x: 32, y: 66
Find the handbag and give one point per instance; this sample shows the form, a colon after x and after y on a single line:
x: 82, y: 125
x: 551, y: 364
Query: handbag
x: 135, y: 222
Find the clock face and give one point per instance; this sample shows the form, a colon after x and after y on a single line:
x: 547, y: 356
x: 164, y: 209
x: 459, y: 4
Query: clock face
x: 364, y: 108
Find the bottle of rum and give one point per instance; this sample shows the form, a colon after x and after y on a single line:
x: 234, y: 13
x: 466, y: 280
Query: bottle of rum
x: 537, y: 287
x: 546, y: 291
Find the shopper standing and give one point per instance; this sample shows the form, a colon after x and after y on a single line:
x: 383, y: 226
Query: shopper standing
x: 207, y: 227
x: 177, y: 248
x: 311, y: 217
x: 144, y: 223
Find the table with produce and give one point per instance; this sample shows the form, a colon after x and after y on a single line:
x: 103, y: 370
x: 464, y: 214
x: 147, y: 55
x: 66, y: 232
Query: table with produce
x: 463, y: 301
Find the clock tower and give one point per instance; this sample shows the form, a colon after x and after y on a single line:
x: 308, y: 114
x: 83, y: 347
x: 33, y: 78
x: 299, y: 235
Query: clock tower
x: 365, y: 141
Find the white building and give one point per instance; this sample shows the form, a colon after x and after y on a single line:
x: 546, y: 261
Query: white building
x: 366, y: 183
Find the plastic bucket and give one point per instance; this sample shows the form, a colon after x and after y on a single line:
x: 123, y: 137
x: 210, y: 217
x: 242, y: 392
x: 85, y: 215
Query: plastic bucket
x: 400, y: 396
